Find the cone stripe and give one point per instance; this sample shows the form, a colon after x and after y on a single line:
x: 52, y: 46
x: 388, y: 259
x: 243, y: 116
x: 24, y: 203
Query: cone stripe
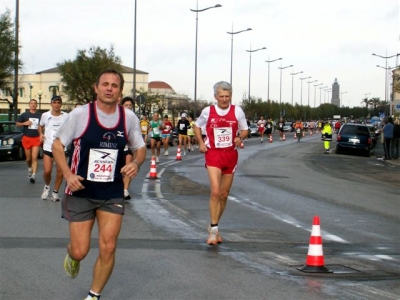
x: 315, y: 250
x: 316, y: 240
x: 315, y: 261
x: 316, y: 230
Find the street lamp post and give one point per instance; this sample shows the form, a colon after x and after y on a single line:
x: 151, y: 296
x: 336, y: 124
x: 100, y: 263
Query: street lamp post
x: 134, y: 60
x: 30, y: 90
x: 280, y: 85
x: 270, y: 61
x: 387, y: 69
x: 232, y: 33
x: 251, y: 51
x: 315, y: 93
x: 309, y: 90
x: 341, y: 98
x: 301, y: 89
x: 292, y: 83
x: 320, y: 92
x: 386, y: 66
x: 40, y: 93
x: 197, y: 10
x: 327, y: 92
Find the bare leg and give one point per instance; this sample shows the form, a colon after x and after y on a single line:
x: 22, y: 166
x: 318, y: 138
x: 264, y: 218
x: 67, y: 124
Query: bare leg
x: 109, y: 227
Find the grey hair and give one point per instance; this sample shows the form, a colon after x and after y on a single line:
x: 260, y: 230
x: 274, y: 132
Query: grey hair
x: 225, y: 86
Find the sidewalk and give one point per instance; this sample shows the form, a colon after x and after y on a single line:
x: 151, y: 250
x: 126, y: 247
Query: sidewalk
x: 379, y: 154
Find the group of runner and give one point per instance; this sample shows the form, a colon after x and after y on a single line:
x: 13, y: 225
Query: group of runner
x: 161, y: 131
x: 102, y: 135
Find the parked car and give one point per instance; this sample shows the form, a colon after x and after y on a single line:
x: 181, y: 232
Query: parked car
x: 254, y: 129
x: 288, y: 126
x: 10, y: 140
x: 354, y: 137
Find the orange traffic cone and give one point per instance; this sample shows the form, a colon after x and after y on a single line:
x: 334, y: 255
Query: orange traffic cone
x: 178, y: 154
x: 270, y: 138
x: 315, y: 257
x: 153, y: 168
x: 283, y: 137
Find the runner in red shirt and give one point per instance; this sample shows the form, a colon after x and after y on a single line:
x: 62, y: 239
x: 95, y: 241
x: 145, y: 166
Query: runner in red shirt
x: 222, y: 123
x: 166, y: 133
x: 261, y: 127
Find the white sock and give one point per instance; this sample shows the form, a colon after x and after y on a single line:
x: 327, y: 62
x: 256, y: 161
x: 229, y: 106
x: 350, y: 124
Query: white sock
x: 47, y: 186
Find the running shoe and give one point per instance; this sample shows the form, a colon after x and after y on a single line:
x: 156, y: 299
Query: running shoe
x: 45, y: 193
x: 71, y: 266
x: 92, y: 298
x: 166, y: 153
x: 214, y: 237
x: 157, y: 159
x: 54, y: 197
x: 32, y: 179
x: 126, y: 195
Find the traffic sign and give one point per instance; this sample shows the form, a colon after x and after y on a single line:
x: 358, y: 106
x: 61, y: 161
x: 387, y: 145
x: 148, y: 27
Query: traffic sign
x: 396, y: 106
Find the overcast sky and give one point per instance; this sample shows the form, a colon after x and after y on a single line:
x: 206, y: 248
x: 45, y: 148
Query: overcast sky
x: 325, y: 39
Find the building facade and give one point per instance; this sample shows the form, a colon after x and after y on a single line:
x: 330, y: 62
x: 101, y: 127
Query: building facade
x: 44, y: 84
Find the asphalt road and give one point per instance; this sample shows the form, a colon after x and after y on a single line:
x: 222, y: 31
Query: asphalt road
x: 278, y: 189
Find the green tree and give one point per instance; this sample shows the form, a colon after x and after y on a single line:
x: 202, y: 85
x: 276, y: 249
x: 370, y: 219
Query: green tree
x: 367, y: 102
x: 7, y: 51
x: 79, y: 75
x: 152, y: 103
x: 376, y: 103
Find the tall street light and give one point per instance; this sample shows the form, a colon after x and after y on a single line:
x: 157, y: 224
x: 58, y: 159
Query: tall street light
x: 251, y: 51
x: 320, y: 91
x: 270, y: 61
x: 292, y: 82
x: 387, y: 69
x: 301, y: 89
x: 315, y: 93
x: 134, y: 61
x: 342, y: 98
x: 309, y: 82
x: 327, y: 92
x: 197, y: 10
x: 232, y: 33
x: 280, y: 85
x: 386, y: 65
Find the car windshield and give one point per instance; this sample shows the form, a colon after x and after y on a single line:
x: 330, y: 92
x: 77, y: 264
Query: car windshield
x: 361, y: 130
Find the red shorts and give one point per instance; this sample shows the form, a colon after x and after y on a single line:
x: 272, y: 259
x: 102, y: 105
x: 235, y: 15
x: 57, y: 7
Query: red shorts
x: 226, y: 160
x: 30, y: 142
x: 261, y: 129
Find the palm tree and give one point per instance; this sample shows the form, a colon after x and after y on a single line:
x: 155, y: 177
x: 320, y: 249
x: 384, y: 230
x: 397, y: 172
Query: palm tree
x: 375, y: 102
x: 367, y: 102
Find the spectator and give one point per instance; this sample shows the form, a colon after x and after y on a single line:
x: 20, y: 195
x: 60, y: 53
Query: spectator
x: 396, y: 140
x: 387, y: 136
